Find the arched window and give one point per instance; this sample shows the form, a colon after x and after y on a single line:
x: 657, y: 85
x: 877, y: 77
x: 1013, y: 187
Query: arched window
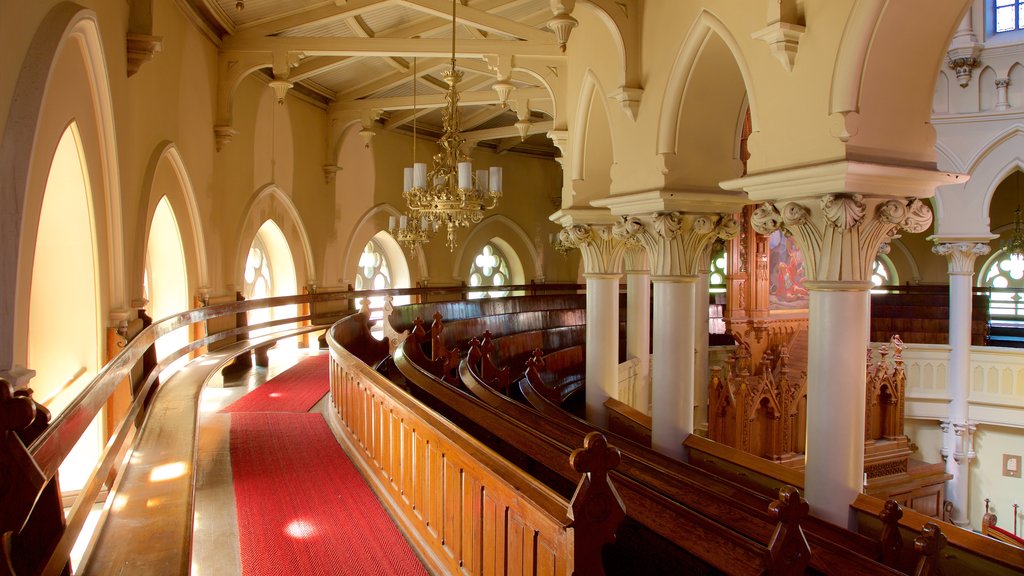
x: 1006, y: 274
x: 258, y: 277
x: 883, y: 273
x: 716, y: 288
x: 373, y: 273
x: 489, y: 268
x: 1009, y: 15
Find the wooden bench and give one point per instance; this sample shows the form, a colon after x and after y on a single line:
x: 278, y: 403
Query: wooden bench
x: 676, y: 507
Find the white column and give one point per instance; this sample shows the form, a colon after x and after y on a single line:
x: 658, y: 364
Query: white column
x: 700, y: 354
x: 638, y: 325
x: 839, y: 236
x: 602, y: 247
x: 1002, y: 98
x: 957, y: 430
x: 837, y: 337
x: 602, y: 344
x: 672, y: 369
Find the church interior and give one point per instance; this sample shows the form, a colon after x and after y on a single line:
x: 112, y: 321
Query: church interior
x: 591, y: 286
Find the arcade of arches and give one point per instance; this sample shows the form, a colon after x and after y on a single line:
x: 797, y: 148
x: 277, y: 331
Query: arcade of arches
x: 161, y: 154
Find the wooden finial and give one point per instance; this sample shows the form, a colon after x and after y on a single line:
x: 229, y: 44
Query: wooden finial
x: 890, y: 541
x: 788, y: 550
x: 928, y: 545
x: 595, y: 510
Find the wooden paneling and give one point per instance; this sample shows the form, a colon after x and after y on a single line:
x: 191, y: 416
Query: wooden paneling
x: 467, y: 510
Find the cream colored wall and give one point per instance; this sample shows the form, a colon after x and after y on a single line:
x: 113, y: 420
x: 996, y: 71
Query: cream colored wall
x: 987, y: 480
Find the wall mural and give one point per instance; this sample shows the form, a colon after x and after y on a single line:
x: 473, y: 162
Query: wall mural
x: 785, y: 274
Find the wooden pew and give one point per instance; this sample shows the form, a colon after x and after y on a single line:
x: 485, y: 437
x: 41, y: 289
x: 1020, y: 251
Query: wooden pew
x: 465, y: 509
x: 680, y: 509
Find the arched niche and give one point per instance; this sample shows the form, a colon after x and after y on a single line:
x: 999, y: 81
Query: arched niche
x: 713, y: 105
x: 273, y: 145
x: 339, y: 268
x: 63, y: 80
x: 523, y: 256
x: 167, y: 180
x: 593, y: 153
x: 166, y: 275
x: 940, y: 99
x: 987, y: 89
x: 271, y: 203
x: 884, y: 89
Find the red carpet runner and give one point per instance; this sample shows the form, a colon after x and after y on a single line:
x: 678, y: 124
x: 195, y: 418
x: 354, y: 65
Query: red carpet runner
x: 302, y: 506
x: 297, y: 389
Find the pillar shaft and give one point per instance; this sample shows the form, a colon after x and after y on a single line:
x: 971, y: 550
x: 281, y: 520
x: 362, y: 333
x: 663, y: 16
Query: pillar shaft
x: 836, y: 376
x: 701, y: 374
x: 672, y: 369
x: 957, y: 430
x: 602, y: 344
x: 638, y: 333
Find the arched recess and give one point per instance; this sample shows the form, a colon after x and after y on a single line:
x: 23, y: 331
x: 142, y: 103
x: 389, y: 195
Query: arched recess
x: 273, y: 146
x: 63, y: 80
x: 616, y: 21
x: 672, y: 106
x: 940, y: 99
x: 516, y: 242
x: 714, y: 103
x: 883, y: 89
x: 986, y: 89
x: 65, y: 325
x: 368, y: 226
x: 269, y: 271
x: 166, y: 275
x: 271, y: 203
x: 167, y: 179
x: 965, y: 212
x: 593, y: 153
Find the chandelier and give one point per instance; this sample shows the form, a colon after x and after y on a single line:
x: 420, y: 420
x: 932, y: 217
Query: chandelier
x: 1015, y: 246
x: 411, y: 232
x: 450, y: 193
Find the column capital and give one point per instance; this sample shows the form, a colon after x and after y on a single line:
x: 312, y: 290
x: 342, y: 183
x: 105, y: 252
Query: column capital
x: 636, y: 259
x: 602, y: 246
x: 840, y: 234
x: 960, y: 256
x: 676, y: 242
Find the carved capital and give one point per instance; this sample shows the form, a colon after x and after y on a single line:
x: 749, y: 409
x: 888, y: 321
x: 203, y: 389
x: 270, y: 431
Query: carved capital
x: 600, y: 247
x: 960, y: 256
x: 141, y: 49
x: 963, y: 67
x: 841, y: 234
x: 677, y: 242
x: 783, y: 39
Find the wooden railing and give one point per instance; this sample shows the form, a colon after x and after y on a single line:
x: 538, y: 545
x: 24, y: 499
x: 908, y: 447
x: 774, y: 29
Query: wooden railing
x: 468, y: 510
x: 37, y: 535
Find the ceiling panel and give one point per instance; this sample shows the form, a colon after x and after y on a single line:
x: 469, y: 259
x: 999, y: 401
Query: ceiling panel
x: 256, y: 10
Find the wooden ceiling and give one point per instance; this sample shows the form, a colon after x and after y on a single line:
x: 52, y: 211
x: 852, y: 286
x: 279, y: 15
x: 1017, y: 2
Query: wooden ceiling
x: 358, y: 56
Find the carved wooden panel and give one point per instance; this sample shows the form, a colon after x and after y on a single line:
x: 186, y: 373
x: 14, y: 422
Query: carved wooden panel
x: 465, y: 509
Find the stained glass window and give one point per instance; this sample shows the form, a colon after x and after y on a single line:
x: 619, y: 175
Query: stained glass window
x: 489, y: 268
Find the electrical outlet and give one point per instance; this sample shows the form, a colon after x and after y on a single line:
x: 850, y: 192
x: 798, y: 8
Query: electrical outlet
x: 1011, y: 465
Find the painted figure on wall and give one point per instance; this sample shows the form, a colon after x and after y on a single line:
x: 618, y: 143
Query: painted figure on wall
x: 785, y: 273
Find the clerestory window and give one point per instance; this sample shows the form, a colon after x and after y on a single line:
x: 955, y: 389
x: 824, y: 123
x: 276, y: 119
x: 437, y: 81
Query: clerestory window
x: 1009, y: 15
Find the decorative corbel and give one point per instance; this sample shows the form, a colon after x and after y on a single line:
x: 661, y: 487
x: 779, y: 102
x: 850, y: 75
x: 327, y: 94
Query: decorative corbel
x: 502, y: 66
x: 964, y: 50
x: 142, y: 45
x: 629, y: 100
x: 562, y: 22
x: 783, y: 32
x: 523, y: 118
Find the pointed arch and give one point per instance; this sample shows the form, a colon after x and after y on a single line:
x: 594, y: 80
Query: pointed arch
x: 496, y: 226
x: 166, y: 176
x: 63, y: 79
x: 374, y: 220
x: 581, y: 126
x: 271, y: 203
x: 680, y: 76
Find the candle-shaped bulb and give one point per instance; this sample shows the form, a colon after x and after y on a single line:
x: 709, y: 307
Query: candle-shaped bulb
x: 403, y: 222
x: 419, y: 175
x: 391, y: 222
x: 495, y: 181
x: 407, y: 174
x: 465, y: 175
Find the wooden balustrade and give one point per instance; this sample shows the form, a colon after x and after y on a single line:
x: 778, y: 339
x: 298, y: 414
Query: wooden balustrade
x: 467, y: 510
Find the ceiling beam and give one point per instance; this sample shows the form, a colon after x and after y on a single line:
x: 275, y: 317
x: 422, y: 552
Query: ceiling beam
x: 436, y: 47
x: 434, y: 100
x: 340, y: 9
x: 316, y: 65
x: 425, y: 66
x: 510, y: 132
x: 480, y: 19
x: 482, y: 116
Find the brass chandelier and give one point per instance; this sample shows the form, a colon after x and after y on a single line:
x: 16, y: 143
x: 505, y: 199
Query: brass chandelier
x: 450, y: 193
x: 1015, y: 245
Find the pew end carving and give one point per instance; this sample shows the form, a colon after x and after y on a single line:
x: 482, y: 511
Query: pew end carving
x: 788, y: 551
x: 595, y: 509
